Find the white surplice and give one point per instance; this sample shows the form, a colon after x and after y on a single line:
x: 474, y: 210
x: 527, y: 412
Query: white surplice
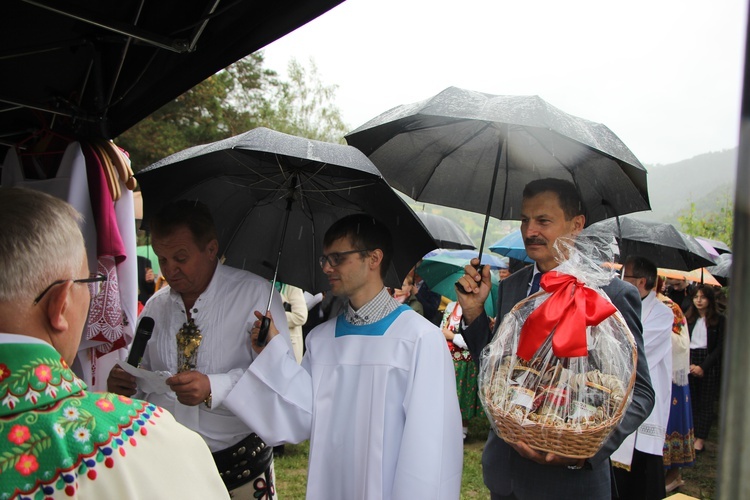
x: 657, y: 320
x: 378, y: 404
x: 224, y: 314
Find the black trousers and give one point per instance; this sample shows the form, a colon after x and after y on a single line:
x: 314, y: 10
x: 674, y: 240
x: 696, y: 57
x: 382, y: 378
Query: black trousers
x: 644, y: 480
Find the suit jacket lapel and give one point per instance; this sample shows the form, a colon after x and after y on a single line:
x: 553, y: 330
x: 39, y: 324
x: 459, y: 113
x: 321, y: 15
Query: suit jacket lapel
x: 515, y: 288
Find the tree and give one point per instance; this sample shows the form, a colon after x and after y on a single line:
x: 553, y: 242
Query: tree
x: 239, y: 98
x: 715, y: 225
x: 305, y: 107
x: 225, y: 104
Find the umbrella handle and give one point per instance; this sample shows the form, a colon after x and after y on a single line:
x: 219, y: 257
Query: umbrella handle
x: 460, y: 289
x: 265, y: 325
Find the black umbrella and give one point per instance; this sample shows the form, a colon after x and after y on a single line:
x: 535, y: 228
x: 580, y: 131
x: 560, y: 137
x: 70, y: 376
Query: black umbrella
x: 95, y: 68
x: 460, y: 147
x: 659, y: 242
x: 446, y: 233
x: 270, y: 192
x: 722, y: 271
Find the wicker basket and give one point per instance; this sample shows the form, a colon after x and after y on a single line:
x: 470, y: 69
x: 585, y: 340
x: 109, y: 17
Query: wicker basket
x: 573, y: 442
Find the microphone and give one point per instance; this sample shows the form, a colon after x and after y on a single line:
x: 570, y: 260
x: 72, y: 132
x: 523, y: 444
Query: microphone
x: 142, y: 336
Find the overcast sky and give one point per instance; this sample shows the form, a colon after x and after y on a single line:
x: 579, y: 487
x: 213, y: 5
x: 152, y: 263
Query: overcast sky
x: 664, y: 75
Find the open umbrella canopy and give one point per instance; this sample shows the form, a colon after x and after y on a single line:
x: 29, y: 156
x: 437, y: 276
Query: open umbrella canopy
x: 445, y: 232
x: 659, y: 242
x: 273, y: 196
x: 494, y: 261
x: 701, y: 275
x: 441, y: 272
x: 511, y: 246
x: 447, y: 149
x: 722, y: 271
x: 710, y: 250
x: 719, y: 246
x: 95, y: 68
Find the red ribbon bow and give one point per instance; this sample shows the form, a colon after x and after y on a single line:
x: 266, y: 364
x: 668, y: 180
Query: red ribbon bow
x: 568, y: 311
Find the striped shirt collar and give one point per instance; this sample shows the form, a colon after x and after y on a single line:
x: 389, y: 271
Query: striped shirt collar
x: 378, y: 308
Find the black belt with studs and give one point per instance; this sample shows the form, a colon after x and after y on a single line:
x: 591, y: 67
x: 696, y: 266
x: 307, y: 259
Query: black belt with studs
x: 243, y: 461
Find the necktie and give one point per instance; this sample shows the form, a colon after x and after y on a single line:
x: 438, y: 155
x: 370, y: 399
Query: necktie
x: 535, y: 283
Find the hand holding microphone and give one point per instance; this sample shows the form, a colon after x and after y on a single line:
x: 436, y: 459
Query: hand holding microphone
x: 121, y: 382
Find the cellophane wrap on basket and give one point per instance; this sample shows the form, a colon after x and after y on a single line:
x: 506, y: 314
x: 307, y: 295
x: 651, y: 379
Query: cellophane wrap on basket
x: 569, y: 387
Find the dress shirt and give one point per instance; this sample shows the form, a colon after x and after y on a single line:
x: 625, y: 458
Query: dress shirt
x: 224, y: 315
x: 378, y: 308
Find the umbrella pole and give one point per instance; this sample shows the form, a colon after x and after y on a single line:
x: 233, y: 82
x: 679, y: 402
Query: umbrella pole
x: 265, y: 323
x: 500, y: 149
x: 492, y: 194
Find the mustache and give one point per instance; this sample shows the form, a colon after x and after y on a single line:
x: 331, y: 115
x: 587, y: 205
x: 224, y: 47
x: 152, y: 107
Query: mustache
x: 534, y: 241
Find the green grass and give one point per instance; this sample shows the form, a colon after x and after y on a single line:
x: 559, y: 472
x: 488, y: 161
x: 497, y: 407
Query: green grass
x: 291, y: 471
x: 291, y: 468
x: 700, y: 480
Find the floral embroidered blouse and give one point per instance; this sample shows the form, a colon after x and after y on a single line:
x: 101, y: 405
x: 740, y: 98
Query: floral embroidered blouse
x: 58, y: 440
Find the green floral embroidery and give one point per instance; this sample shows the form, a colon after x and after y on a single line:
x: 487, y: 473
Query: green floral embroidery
x: 51, y: 431
x: 19, y: 380
x: 37, y: 443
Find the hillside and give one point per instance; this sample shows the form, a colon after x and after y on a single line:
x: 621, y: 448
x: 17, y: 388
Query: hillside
x: 706, y: 180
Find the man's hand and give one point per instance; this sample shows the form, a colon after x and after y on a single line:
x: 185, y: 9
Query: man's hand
x: 544, y: 458
x: 272, y: 331
x: 448, y: 334
x: 696, y: 371
x: 121, y: 382
x: 192, y: 388
x: 476, y: 288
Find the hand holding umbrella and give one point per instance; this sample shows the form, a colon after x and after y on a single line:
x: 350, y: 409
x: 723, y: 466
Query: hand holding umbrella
x: 475, y: 286
x: 263, y: 322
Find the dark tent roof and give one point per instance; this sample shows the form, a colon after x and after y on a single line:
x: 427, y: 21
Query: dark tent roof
x: 100, y: 66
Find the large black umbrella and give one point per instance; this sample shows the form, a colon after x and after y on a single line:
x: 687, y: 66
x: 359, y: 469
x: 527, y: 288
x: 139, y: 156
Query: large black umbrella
x: 460, y: 147
x: 273, y: 196
x: 446, y: 233
x: 659, y: 242
x: 94, y: 68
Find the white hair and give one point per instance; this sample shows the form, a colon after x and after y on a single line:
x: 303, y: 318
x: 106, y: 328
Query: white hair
x: 40, y: 242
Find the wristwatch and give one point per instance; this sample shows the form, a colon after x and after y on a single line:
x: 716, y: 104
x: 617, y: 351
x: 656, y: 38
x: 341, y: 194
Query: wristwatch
x: 207, y: 401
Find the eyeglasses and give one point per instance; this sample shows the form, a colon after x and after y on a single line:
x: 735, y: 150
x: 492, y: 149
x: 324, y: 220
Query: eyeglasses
x: 335, y: 259
x: 94, y: 283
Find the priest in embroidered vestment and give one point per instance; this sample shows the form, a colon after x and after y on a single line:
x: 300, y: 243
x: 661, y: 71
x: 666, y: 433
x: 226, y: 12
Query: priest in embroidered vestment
x: 58, y: 439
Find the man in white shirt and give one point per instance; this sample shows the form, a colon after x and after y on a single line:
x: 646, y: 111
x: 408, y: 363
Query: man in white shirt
x: 375, y: 392
x: 642, y: 451
x: 202, y: 320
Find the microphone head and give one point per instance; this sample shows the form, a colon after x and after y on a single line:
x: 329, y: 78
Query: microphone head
x: 146, y: 326
x: 142, y: 336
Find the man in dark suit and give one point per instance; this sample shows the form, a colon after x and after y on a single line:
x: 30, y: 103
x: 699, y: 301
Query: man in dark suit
x: 551, y: 208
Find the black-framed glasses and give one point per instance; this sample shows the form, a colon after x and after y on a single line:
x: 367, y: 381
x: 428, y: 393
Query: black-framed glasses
x: 336, y: 258
x: 94, y: 283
